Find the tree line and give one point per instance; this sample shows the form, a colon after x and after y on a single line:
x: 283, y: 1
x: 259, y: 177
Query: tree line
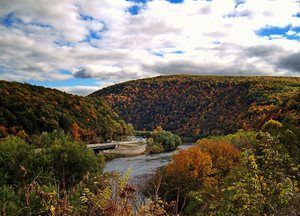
x: 27, y: 110
x: 205, y: 105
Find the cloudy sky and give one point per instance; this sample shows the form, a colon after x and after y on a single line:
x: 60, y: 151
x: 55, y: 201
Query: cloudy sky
x: 80, y: 46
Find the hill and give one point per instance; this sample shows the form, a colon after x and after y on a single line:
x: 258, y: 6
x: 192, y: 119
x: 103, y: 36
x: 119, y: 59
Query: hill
x: 33, y: 109
x: 205, y: 105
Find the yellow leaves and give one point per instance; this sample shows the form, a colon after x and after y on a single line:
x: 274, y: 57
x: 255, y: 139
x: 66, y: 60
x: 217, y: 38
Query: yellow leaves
x: 52, y: 210
x: 224, y: 155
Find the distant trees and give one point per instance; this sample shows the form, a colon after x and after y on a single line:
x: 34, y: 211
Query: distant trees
x: 160, y: 140
x: 3, y: 131
x: 204, y: 105
x: 27, y: 110
x: 75, y: 131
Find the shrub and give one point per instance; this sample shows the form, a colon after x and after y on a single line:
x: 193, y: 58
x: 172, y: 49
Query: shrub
x: 273, y: 127
x: 18, y: 162
x: 264, y: 184
x: 71, y: 161
x: 224, y: 155
x: 160, y: 140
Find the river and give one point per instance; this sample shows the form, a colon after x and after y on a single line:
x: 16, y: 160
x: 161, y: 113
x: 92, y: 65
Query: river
x: 141, y: 165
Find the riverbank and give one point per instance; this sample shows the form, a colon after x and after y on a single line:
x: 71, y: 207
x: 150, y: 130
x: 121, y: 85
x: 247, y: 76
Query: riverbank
x: 127, y: 150
x: 143, y: 164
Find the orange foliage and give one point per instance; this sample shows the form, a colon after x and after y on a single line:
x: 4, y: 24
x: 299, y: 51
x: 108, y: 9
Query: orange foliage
x: 224, y: 154
x: 191, y: 165
x: 184, y: 104
x: 3, y: 131
x: 22, y: 134
x: 75, y: 131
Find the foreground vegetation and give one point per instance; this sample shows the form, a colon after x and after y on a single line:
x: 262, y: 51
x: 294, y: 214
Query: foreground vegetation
x: 247, y: 173
x: 253, y: 171
x: 205, y: 105
x: 27, y: 110
x: 63, y: 177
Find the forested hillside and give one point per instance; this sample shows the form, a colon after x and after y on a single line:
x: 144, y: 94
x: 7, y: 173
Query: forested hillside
x: 28, y: 110
x: 205, y: 105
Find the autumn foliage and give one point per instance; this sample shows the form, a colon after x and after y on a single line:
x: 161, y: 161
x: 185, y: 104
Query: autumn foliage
x: 75, y: 131
x: 28, y: 109
x: 191, y: 165
x: 203, y: 164
x: 224, y: 155
x: 204, y: 105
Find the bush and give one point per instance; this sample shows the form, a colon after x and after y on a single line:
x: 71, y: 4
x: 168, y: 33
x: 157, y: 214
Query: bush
x: 39, y: 181
x: 264, y: 184
x: 188, y: 170
x: 241, y: 139
x: 224, y: 155
x: 71, y: 161
x: 9, y: 204
x: 273, y: 127
x: 160, y: 140
x: 18, y: 162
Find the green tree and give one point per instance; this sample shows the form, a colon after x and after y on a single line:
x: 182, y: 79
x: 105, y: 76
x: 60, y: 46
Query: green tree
x: 161, y: 140
x: 18, y: 162
x: 264, y: 184
x: 71, y: 161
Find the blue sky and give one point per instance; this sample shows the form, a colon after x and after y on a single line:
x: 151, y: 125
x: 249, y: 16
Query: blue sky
x: 80, y: 47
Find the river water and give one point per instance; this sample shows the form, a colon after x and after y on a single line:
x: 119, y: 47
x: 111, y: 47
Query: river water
x: 141, y: 165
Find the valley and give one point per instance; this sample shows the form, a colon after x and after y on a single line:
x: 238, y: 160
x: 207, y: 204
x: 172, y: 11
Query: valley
x: 124, y: 148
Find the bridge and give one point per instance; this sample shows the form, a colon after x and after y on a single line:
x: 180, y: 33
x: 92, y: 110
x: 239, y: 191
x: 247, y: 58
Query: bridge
x: 97, y: 147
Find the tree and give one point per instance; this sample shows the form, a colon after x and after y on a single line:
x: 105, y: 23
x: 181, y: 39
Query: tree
x: 188, y: 170
x: 191, y: 165
x: 71, y: 161
x: 3, y: 131
x: 160, y: 140
x: 18, y: 162
x: 224, y: 155
x: 75, y: 131
x: 265, y: 183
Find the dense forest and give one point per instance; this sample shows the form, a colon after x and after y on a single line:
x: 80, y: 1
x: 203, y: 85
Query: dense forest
x: 26, y: 110
x: 46, y: 168
x: 205, y: 105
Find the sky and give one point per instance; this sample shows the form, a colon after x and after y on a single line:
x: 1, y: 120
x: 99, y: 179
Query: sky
x: 80, y: 46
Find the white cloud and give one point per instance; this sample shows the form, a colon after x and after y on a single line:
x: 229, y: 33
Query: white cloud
x: 213, y: 37
x: 84, y: 90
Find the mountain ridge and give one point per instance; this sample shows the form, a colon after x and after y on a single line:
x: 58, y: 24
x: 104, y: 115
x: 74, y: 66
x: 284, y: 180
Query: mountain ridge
x: 207, y: 105
x: 36, y: 109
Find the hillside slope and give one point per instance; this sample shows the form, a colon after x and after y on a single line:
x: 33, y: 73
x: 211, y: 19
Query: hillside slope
x: 191, y: 105
x: 37, y: 109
